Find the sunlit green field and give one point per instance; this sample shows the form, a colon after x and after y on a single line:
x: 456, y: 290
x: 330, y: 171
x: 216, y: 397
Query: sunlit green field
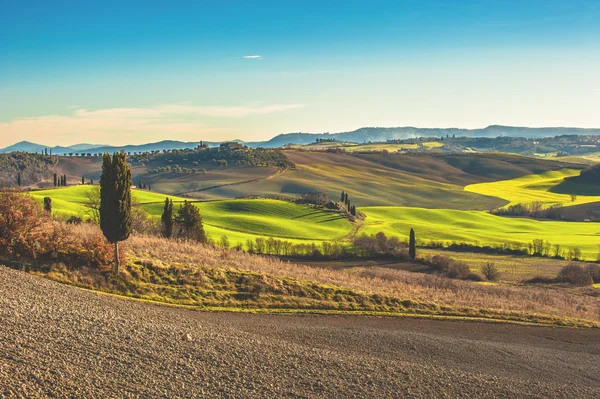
x: 532, y: 188
x: 239, y: 220
x: 479, y: 227
x: 80, y: 194
x: 268, y: 218
x: 73, y: 200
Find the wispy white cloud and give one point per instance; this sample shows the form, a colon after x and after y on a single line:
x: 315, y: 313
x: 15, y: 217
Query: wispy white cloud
x: 252, y: 57
x: 164, y: 119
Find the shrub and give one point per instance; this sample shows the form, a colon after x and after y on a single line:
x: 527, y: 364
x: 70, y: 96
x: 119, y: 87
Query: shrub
x: 594, y: 271
x: 458, y: 270
x: 23, y: 226
x: 74, y: 220
x: 574, y: 274
x: 490, y: 271
x: 440, y: 263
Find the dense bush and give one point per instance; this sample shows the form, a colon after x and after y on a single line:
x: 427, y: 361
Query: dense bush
x: 574, y: 274
x: 24, y: 226
x: 27, y: 233
x: 594, y: 271
x: 450, y: 267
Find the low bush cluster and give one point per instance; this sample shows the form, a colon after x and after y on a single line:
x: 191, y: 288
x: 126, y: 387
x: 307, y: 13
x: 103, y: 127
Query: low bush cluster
x: 28, y: 234
x: 450, y: 267
x: 579, y: 275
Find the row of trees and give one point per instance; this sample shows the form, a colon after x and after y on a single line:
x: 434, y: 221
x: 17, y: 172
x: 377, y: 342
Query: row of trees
x: 60, y: 181
x: 346, y: 201
x: 362, y: 246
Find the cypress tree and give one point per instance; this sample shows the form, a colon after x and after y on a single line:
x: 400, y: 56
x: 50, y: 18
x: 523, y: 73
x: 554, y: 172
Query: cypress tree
x: 48, y: 204
x: 55, y: 180
x: 19, y: 179
x: 189, y: 219
x: 343, y: 197
x: 140, y: 185
x: 115, y: 200
x: 412, y: 246
x: 167, y: 218
x: 346, y: 198
x: 82, y: 180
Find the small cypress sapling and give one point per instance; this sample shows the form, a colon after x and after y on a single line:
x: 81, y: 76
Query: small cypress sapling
x: 412, y: 245
x: 48, y: 204
x: 167, y: 218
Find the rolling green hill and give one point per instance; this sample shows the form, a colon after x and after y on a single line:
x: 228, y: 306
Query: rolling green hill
x: 239, y: 220
x: 368, y: 183
x: 478, y: 227
x: 268, y: 218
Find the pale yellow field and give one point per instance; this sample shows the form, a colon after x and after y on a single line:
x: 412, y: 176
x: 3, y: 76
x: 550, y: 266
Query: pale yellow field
x: 533, y: 188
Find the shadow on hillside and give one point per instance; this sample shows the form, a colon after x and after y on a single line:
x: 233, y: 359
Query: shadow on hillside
x: 573, y: 186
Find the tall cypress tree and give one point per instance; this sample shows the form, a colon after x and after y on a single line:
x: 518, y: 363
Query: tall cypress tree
x: 19, y: 179
x: 115, y: 200
x: 55, y: 180
x: 167, y: 218
x: 343, y: 197
x: 412, y: 245
x: 346, y: 198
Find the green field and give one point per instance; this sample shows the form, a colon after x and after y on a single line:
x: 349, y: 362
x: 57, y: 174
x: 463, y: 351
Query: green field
x: 271, y: 218
x: 480, y: 228
x: 239, y: 220
x: 246, y: 219
x: 532, y: 188
x: 79, y: 194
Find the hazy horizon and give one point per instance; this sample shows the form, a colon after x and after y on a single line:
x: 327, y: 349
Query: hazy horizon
x: 143, y: 72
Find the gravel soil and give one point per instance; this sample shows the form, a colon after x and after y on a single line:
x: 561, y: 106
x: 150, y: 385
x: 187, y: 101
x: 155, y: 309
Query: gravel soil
x: 63, y: 342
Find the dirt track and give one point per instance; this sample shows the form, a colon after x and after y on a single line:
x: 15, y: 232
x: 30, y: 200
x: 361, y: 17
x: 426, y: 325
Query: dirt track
x: 58, y: 341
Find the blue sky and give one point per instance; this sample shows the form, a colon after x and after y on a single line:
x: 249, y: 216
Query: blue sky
x: 105, y: 72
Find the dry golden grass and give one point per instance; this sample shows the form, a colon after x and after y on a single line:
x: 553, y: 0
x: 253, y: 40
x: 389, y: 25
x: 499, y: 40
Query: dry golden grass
x: 449, y: 296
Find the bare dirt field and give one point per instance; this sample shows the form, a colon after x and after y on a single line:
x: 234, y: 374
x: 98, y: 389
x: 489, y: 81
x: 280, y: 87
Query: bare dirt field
x: 60, y: 341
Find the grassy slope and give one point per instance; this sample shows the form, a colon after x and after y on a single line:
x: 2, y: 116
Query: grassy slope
x: 79, y: 194
x: 533, y: 188
x: 239, y: 220
x: 465, y: 169
x: 267, y: 218
x: 480, y: 227
x: 368, y: 183
x: 513, y: 268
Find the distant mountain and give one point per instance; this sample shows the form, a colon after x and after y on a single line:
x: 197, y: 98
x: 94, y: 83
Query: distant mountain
x: 367, y: 134
x: 94, y: 149
x: 361, y: 135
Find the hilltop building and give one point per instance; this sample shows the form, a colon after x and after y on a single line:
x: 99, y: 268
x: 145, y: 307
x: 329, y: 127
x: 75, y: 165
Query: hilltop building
x: 316, y: 197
